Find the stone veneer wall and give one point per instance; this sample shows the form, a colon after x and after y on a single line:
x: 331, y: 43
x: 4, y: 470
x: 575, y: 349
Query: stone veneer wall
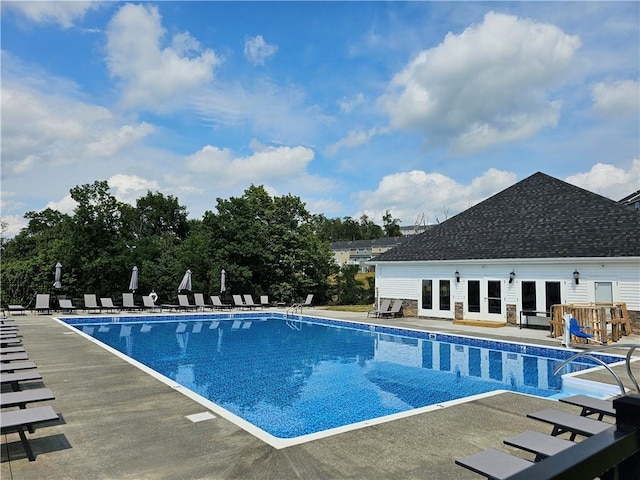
x: 458, y: 311
x: 512, y: 317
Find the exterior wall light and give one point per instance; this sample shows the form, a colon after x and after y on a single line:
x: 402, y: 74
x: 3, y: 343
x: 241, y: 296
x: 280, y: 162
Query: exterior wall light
x: 457, y: 274
x: 512, y: 276
x: 576, y: 276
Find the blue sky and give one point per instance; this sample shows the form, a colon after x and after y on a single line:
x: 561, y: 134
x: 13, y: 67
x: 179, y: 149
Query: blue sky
x: 419, y: 108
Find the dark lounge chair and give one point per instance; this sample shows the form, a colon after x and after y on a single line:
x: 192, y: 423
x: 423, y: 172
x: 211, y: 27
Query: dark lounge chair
x: 16, y: 308
x: 20, y: 399
x: 42, y: 303
x: 66, y: 305
x: 18, y: 420
x: 91, y: 302
x: 217, y: 303
x: 15, y: 379
x: 183, y: 302
x: 12, y: 357
x: 198, y: 299
x: 107, y: 304
x: 238, y: 302
x: 567, y: 423
x: 535, y: 442
x: 591, y: 405
x: 394, y: 311
x: 494, y: 464
x: 11, y: 367
x: 249, y: 303
x: 384, y: 308
x: 128, y: 303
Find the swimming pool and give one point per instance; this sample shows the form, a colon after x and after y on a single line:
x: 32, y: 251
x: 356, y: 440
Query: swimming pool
x: 296, y: 376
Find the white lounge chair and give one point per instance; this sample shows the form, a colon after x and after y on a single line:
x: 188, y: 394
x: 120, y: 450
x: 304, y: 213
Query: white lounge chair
x: 217, y: 303
x: 42, y: 303
x: 384, y: 308
x: 91, y: 302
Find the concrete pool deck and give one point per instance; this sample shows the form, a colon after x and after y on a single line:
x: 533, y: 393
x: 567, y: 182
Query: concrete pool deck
x: 120, y: 423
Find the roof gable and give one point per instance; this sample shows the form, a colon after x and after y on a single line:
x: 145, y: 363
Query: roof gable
x: 538, y: 217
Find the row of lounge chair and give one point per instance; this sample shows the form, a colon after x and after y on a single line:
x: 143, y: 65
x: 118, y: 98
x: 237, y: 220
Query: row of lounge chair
x: 15, y: 371
x: 387, y: 309
x: 43, y: 303
x: 496, y: 464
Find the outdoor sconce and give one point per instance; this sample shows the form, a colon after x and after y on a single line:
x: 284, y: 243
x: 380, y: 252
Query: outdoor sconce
x: 576, y: 276
x: 512, y: 276
x: 457, y: 274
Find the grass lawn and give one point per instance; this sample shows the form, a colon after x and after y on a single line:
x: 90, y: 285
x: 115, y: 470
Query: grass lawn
x: 347, y: 308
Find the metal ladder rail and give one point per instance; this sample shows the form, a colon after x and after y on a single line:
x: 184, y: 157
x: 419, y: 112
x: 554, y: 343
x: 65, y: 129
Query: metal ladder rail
x: 294, y: 308
x: 632, y: 347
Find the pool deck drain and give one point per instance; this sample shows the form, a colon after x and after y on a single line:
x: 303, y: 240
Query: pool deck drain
x: 120, y: 422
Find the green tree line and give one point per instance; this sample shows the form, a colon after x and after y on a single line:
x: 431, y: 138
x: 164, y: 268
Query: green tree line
x: 266, y: 245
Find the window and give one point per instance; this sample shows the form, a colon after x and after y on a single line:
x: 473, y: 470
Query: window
x: 445, y: 295
x: 427, y: 294
x: 473, y: 294
x: 552, y: 293
x: 529, y: 297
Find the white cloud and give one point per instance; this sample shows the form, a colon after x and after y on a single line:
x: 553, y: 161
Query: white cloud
x: 40, y: 128
x: 263, y: 166
x: 152, y: 75
x: 65, y: 205
x: 485, y: 86
x: 608, y: 180
x: 256, y: 50
x: 408, y: 195
x: 617, y: 99
x: 347, y: 105
x: 353, y: 139
x: 129, y: 188
x: 12, y: 224
x: 61, y: 13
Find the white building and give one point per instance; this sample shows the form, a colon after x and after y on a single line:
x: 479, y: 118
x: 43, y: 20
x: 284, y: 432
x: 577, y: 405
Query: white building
x: 538, y: 243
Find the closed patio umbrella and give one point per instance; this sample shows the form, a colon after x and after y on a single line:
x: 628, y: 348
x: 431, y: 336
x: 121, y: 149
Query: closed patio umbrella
x: 57, y: 282
x: 185, y: 284
x: 223, y: 281
x: 133, y: 283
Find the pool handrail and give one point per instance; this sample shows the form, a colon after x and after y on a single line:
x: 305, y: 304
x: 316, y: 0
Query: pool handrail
x: 587, y: 354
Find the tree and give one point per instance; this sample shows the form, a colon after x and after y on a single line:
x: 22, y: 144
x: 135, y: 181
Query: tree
x: 390, y: 225
x: 267, y: 245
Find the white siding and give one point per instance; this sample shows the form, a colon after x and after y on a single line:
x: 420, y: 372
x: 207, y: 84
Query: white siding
x: 403, y: 280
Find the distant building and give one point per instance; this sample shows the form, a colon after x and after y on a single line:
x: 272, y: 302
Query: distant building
x: 358, y: 252
x: 632, y: 200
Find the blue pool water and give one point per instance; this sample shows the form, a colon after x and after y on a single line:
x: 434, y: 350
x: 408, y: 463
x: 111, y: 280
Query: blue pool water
x: 297, y: 376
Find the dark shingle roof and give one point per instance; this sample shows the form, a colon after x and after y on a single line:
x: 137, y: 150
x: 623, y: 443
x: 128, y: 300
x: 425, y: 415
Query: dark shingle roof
x: 538, y: 217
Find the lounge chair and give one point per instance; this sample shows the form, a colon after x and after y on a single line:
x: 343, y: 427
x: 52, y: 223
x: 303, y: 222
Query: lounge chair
x: 249, y: 303
x: 128, y: 303
x: 12, y: 357
x: 12, y: 367
x: 591, y: 406
x: 42, y: 303
x: 198, y: 300
x: 16, y: 308
x: 567, y: 423
x: 18, y: 420
x: 5, y: 350
x: 183, y: 302
x: 264, y: 301
x: 20, y: 399
x: 217, y: 303
x: 66, y: 305
x: 15, y: 379
x: 394, y: 311
x: 535, y: 442
x: 237, y: 301
x: 384, y: 308
x: 149, y: 304
x: 91, y: 302
x: 107, y: 304
x: 308, y: 301
x: 494, y: 464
